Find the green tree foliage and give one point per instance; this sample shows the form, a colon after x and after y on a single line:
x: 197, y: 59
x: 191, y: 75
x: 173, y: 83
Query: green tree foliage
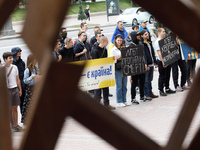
x: 81, y: 15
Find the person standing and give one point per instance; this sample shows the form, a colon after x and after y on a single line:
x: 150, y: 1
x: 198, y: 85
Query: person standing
x: 93, y: 39
x: 16, y: 51
x: 82, y: 48
x: 87, y: 12
x: 143, y: 25
x: 100, y: 51
x: 150, y: 61
x: 56, y: 55
x: 30, y: 77
x: 121, y: 82
x: 14, y: 89
x: 67, y: 52
x: 164, y: 71
x: 118, y: 30
x: 175, y: 71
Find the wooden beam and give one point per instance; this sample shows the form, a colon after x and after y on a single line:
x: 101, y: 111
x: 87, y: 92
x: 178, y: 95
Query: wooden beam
x: 6, y: 8
x: 109, y: 126
x: 177, y: 17
x: 195, y: 144
x: 185, y: 117
x: 54, y: 101
x: 5, y: 135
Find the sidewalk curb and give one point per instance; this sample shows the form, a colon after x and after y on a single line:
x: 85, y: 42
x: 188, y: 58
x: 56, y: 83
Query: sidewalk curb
x: 18, y: 35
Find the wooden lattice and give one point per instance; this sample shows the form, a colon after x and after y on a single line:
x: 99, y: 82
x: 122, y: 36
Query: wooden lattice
x: 44, y: 18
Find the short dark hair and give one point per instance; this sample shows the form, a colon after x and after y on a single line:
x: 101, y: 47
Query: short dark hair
x: 6, y: 55
x: 143, y: 31
x: 135, y: 26
x: 96, y: 33
x: 61, y: 29
x: 119, y: 22
x: 82, y: 24
x: 80, y: 32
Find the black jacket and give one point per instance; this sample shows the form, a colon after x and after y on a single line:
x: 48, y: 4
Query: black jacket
x: 67, y: 54
x: 99, y: 52
x: 19, y: 63
x: 150, y: 59
x: 79, y: 47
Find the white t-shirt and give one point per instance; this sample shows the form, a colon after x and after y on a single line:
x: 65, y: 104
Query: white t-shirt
x: 11, y: 80
x: 115, y: 52
x: 157, y: 47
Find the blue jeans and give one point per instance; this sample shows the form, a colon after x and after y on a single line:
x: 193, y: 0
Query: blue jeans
x: 121, y: 87
x: 148, y: 79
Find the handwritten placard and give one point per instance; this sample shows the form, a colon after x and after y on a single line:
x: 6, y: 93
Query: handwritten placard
x: 133, y: 60
x: 169, y: 49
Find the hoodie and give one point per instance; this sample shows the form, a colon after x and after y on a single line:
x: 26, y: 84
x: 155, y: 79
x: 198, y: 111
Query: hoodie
x: 134, y: 37
x: 19, y: 63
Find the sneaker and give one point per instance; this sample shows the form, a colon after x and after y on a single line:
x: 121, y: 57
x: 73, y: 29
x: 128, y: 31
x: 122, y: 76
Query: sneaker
x: 169, y: 91
x: 127, y: 104
x: 153, y: 96
x: 110, y: 107
x: 179, y: 89
x: 134, y: 101
x: 110, y: 95
x: 121, y: 105
x: 147, y: 98
x: 162, y: 93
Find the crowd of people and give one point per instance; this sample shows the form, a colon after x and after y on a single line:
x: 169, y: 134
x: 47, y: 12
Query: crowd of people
x: 21, y: 79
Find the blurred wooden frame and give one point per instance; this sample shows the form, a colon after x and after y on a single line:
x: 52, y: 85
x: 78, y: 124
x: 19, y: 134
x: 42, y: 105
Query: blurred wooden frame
x: 55, y: 99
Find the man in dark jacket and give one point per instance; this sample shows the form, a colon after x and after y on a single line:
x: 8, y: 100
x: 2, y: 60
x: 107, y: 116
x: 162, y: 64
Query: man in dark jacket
x: 150, y: 61
x: 16, y: 51
x: 100, y: 51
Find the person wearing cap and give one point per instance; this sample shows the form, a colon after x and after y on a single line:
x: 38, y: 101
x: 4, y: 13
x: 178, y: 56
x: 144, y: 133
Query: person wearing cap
x: 16, y: 51
x: 164, y: 71
x: 118, y: 30
x: 143, y: 25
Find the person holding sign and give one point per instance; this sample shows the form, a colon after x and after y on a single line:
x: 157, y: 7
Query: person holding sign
x: 150, y: 61
x: 182, y: 64
x: 100, y: 51
x: 164, y: 71
x: 121, y: 82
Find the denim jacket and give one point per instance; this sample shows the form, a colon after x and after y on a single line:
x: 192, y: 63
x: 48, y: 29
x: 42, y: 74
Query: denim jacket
x: 28, y: 79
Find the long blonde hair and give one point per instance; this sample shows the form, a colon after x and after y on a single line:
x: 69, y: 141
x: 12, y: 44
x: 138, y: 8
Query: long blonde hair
x: 30, y: 62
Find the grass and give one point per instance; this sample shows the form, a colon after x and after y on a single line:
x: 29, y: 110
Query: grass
x: 19, y: 14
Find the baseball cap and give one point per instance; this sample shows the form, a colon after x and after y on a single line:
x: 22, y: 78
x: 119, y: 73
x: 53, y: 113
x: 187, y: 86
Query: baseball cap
x: 143, y: 21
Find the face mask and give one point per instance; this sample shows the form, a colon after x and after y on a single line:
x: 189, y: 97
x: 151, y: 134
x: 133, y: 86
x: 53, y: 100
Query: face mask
x: 64, y: 34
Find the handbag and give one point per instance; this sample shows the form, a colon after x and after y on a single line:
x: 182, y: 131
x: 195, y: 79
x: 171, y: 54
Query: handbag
x: 118, y: 65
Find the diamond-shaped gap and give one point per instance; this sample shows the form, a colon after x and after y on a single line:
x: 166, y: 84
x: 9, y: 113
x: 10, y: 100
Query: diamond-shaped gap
x: 76, y: 136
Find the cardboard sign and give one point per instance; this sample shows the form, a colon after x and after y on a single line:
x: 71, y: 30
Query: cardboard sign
x: 188, y: 53
x: 98, y: 73
x: 169, y: 49
x: 133, y: 60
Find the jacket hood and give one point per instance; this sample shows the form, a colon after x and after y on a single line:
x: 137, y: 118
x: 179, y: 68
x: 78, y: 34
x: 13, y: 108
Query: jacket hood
x: 14, y: 51
x: 134, y: 37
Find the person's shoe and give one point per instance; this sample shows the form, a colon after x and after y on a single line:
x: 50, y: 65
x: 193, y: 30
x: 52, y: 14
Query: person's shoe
x: 153, y: 96
x: 17, y: 129
x: 134, y: 101
x: 146, y: 98
x: 110, y: 107
x: 169, y: 91
x: 120, y: 105
x: 110, y: 95
x: 127, y: 104
x: 179, y: 89
x: 162, y: 93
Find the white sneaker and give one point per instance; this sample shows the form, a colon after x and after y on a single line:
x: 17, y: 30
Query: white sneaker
x: 121, y: 105
x: 127, y: 104
x: 179, y: 89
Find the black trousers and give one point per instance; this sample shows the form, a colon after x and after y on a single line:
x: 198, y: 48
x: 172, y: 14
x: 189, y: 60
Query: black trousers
x: 191, y: 65
x: 182, y: 65
x: 164, y: 76
x: 135, y: 78
x: 22, y: 97
x: 97, y: 95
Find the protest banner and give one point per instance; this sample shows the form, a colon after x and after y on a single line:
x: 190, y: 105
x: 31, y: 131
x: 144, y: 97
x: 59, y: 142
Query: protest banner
x: 188, y: 53
x: 169, y: 49
x: 133, y: 61
x: 98, y: 73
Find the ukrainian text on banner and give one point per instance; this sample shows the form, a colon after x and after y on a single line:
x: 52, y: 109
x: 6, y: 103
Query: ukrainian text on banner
x: 98, y: 73
x: 188, y: 53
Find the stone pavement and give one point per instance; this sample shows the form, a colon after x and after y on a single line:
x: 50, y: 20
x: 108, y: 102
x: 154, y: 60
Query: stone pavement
x: 99, y: 18
x: 155, y: 119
